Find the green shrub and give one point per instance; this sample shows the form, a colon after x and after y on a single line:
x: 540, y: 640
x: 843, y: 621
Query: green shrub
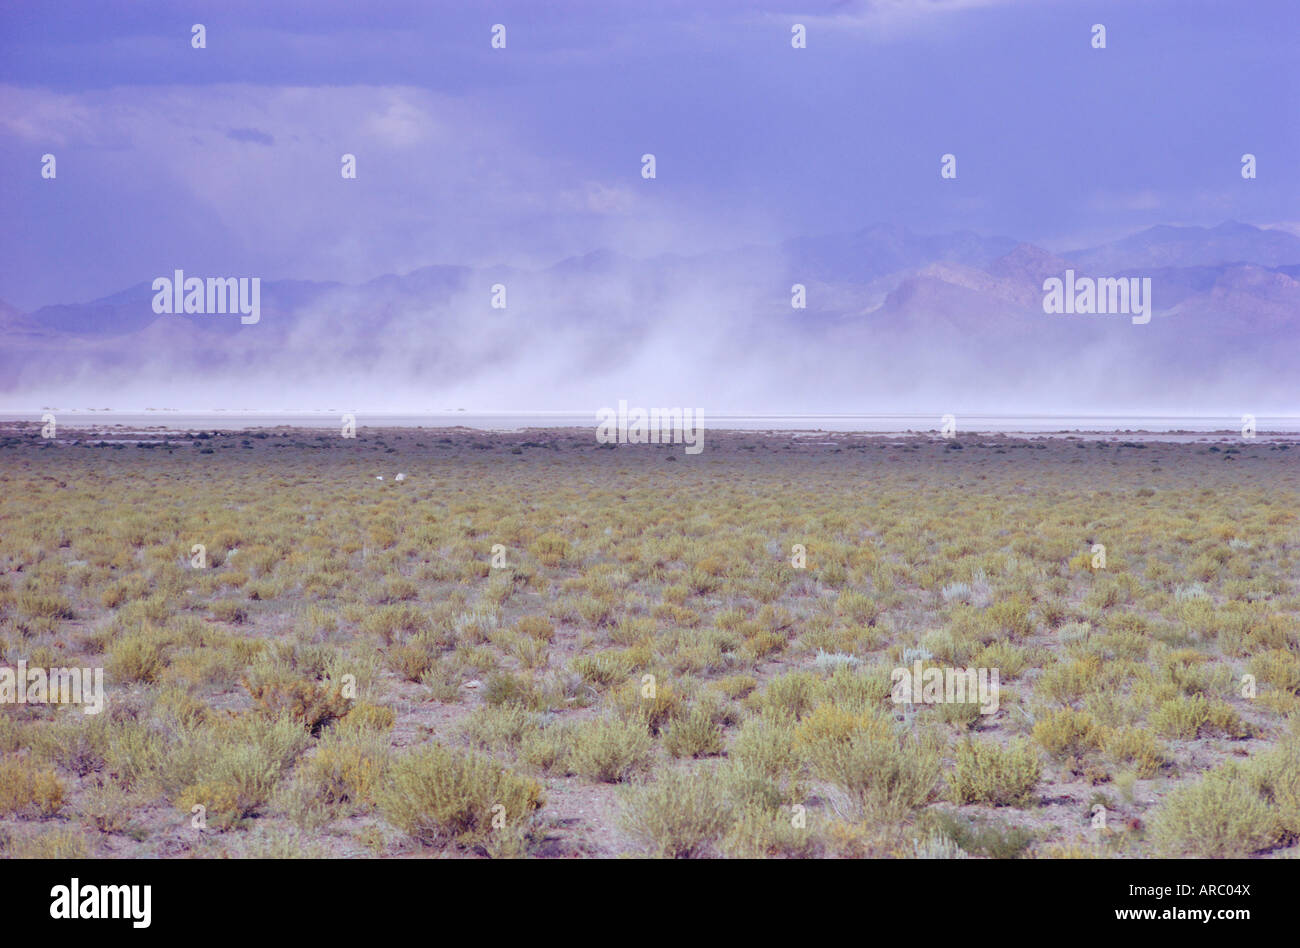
x: 869, y: 768
x: 653, y: 708
x: 610, y: 750
x: 1064, y: 732
x: 231, y: 768
x: 499, y: 728
x: 1137, y: 748
x: 1220, y: 816
x: 679, y: 816
x: 694, y: 735
x: 411, y: 660
x: 551, y: 549
x: 366, y: 716
x: 793, y: 693
x: 546, y: 749
x: 443, y: 797
x: 1011, y: 617
x: 601, y: 669
x: 504, y: 688
x: 349, y: 765
x: 536, y: 627
x: 1189, y: 716
x: 1275, y: 775
x: 762, y: 833
x: 1278, y: 668
x: 389, y: 623
x: 978, y: 836
x: 136, y: 657
x: 1069, y: 681
x: 987, y: 773
x: 45, y: 606
x: 762, y: 763
x: 25, y: 787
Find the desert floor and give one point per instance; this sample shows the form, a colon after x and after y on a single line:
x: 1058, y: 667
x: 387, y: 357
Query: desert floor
x: 536, y: 645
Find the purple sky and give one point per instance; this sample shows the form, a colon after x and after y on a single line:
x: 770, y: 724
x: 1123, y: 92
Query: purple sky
x: 227, y: 158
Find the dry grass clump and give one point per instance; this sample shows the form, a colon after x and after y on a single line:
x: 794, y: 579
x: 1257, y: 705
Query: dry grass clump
x: 278, y: 690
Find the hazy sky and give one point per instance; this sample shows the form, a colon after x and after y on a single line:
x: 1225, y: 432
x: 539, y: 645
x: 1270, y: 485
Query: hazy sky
x: 228, y: 157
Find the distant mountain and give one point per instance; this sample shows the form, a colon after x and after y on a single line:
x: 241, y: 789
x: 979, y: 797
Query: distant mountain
x: 1027, y: 264
x: 1231, y: 299
x: 8, y: 314
x: 1167, y: 246
x: 883, y: 249
x: 131, y: 310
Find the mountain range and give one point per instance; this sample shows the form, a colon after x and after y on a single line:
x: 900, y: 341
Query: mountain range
x: 894, y: 321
